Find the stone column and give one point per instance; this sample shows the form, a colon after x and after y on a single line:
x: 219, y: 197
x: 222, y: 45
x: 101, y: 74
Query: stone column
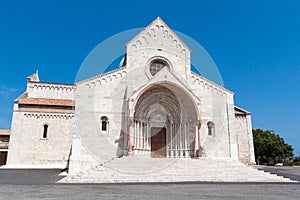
x: 130, y: 138
x: 147, y: 139
x: 144, y: 137
x: 171, y: 138
x: 196, y: 143
x: 141, y: 137
x: 175, y: 140
x: 180, y: 139
x: 134, y: 134
x: 138, y: 137
x: 186, y: 140
x: 147, y: 136
x: 200, y: 145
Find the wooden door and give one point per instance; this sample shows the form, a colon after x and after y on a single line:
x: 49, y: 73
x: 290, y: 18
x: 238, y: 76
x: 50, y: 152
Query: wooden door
x: 3, y: 157
x: 158, y: 142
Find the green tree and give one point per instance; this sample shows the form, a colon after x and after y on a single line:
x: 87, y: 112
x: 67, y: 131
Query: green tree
x: 270, y: 147
x: 297, y: 159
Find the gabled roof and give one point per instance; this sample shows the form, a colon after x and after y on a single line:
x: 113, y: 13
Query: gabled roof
x: 158, y: 21
x: 24, y: 100
x: 240, y: 111
x: 4, y: 132
x: 46, y: 102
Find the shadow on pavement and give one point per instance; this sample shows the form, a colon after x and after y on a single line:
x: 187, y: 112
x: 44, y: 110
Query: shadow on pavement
x: 29, y: 176
x: 288, y: 172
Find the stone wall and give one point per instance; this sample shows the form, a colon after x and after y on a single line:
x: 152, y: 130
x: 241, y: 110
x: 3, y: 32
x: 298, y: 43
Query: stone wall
x: 101, y: 96
x: 27, y: 145
x: 50, y: 90
x: 42, y: 104
x: 244, y: 138
x: 215, y: 101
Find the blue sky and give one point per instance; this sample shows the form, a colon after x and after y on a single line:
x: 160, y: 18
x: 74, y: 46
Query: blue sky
x: 255, y: 44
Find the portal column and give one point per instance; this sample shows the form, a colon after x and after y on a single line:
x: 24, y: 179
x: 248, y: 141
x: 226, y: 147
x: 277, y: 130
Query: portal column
x: 186, y: 140
x: 201, y: 151
x: 142, y: 138
x: 171, y: 138
x: 130, y: 141
x: 175, y: 140
x: 147, y: 138
x: 138, y: 137
x: 180, y: 140
x: 134, y: 135
x: 196, y: 135
x: 168, y: 138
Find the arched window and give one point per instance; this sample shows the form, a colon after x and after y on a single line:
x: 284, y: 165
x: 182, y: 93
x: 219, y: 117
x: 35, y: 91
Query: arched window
x: 104, y: 124
x: 45, y: 131
x: 156, y: 66
x: 210, y: 128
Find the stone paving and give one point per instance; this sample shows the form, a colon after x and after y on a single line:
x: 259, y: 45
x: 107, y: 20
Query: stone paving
x: 152, y: 191
x: 40, y: 184
x: 288, y: 172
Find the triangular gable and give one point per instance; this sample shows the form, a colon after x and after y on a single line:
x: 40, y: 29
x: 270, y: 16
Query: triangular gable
x: 156, y: 30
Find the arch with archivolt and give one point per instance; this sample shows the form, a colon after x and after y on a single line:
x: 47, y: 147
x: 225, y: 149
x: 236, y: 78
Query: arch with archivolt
x: 165, y: 105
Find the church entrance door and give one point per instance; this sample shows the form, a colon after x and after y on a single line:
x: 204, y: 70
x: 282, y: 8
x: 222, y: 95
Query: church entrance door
x: 158, y: 142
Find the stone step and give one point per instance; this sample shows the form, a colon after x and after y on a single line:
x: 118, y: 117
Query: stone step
x: 141, y: 169
x: 245, y: 176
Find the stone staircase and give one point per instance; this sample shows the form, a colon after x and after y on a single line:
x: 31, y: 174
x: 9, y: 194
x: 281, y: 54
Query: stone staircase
x: 141, y: 169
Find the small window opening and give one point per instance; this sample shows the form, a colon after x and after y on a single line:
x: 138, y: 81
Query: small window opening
x: 104, y: 126
x: 45, y: 132
x: 211, y: 128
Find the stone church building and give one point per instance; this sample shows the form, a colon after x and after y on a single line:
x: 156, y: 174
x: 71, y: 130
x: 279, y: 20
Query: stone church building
x: 152, y: 106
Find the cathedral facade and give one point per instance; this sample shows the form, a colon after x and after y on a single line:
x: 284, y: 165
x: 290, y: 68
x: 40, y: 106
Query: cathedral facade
x: 152, y: 106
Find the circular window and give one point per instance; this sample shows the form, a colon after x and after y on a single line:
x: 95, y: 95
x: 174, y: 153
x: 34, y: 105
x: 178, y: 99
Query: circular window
x: 156, y: 66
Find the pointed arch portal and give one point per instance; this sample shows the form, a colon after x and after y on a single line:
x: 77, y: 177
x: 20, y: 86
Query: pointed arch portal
x: 165, y: 123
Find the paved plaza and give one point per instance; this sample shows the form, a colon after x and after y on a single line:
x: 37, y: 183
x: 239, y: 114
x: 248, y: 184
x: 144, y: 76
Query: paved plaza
x: 288, y: 172
x: 40, y: 184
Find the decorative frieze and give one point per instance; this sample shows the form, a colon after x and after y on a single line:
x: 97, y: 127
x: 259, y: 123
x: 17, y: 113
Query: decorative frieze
x: 48, y: 116
x: 202, y: 82
x: 105, y: 78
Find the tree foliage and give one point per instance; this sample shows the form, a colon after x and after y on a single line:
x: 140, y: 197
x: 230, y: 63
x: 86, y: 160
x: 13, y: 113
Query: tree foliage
x: 270, y: 148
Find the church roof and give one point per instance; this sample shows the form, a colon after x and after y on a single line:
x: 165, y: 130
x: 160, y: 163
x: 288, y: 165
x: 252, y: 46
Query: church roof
x: 240, y: 111
x: 4, y: 132
x: 43, y: 101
